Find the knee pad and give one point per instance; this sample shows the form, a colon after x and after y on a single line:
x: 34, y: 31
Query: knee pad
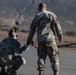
x: 55, y: 66
x: 41, y: 64
x: 24, y: 61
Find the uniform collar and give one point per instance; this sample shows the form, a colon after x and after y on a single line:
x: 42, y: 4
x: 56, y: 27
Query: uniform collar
x: 43, y: 10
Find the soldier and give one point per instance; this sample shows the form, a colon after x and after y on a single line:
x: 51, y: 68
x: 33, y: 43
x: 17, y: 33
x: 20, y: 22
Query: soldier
x: 48, y: 27
x: 8, y: 48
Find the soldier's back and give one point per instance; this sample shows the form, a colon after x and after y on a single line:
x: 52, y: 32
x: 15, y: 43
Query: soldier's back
x: 6, y: 46
x: 44, y: 30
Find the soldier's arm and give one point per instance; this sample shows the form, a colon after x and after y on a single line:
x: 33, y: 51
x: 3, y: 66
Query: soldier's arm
x: 57, y: 27
x: 33, y: 27
x: 17, y: 47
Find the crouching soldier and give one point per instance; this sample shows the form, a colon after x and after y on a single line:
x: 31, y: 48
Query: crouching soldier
x: 8, y: 48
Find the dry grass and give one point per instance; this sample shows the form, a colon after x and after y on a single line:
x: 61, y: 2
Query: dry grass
x: 22, y: 37
x: 3, y: 35
x: 69, y: 39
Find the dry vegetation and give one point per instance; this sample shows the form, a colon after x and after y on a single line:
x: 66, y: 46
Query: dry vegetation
x: 3, y: 35
x: 69, y: 39
x: 22, y: 37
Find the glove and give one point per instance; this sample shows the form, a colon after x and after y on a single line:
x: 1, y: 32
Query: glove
x: 25, y: 47
x: 32, y: 43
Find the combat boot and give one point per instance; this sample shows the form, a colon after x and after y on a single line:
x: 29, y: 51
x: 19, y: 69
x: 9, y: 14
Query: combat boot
x: 41, y: 72
x: 11, y: 71
x: 56, y: 73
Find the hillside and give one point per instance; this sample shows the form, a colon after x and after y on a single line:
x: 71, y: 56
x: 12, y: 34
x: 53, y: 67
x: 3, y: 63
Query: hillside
x: 23, y: 11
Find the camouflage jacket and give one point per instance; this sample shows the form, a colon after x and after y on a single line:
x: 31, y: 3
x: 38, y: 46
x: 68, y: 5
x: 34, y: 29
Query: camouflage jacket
x: 47, y: 26
x: 8, y: 48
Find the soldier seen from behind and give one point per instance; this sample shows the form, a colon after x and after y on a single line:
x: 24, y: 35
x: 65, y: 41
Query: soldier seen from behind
x: 8, y: 47
x: 48, y: 28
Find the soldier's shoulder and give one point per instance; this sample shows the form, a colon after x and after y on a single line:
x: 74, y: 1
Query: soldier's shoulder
x: 53, y: 14
x: 40, y: 13
x: 50, y: 13
x: 3, y: 41
x: 8, y: 41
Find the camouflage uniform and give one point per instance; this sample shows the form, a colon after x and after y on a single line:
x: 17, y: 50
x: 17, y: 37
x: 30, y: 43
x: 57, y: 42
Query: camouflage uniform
x: 8, y: 48
x: 47, y: 26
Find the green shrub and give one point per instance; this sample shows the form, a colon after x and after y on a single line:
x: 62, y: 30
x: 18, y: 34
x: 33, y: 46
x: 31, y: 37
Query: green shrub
x: 15, y: 27
x: 1, y: 26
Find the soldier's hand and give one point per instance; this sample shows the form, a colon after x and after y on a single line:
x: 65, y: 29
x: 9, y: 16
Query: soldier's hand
x: 25, y: 47
x: 32, y: 43
x: 60, y: 39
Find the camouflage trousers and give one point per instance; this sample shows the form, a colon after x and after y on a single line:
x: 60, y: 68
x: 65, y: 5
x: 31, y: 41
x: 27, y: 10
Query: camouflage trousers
x: 16, y: 62
x: 48, y: 49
